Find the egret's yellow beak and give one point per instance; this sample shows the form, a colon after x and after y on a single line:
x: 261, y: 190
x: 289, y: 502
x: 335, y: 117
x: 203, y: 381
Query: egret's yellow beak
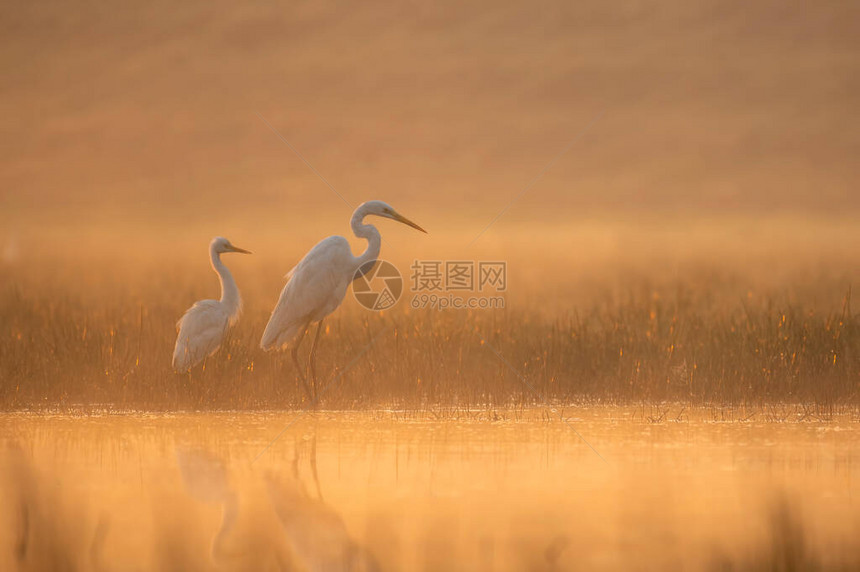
x: 239, y: 250
x: 400, y: 218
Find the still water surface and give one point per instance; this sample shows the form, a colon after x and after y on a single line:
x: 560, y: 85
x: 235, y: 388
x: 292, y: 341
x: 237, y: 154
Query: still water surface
x: 512, y: 490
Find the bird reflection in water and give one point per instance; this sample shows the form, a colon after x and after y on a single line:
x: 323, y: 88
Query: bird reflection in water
x: 312, y: 536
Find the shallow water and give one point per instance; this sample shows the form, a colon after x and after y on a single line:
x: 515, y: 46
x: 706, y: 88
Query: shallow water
x: 507, y: 490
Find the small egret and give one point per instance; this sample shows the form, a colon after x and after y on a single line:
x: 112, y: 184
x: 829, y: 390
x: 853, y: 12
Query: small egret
x: 318, y: 283
x: 202, y: 328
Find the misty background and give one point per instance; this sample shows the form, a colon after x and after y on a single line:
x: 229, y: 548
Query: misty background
x: 715, y: 124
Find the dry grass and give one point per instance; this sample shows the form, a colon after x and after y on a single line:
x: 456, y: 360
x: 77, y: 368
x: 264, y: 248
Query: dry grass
x: 98, y: 334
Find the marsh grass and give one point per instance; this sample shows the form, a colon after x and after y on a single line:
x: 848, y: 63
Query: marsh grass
x: 101, y: 336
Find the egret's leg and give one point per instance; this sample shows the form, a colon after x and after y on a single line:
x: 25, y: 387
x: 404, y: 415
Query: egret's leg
x: 295, y: 353
x: 312, y: 359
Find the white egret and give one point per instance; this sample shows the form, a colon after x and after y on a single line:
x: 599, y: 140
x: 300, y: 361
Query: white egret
x: 202, y: 328
x: 318, y: 283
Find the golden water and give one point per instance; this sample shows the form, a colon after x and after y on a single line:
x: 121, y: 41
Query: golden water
x: 509, y: 490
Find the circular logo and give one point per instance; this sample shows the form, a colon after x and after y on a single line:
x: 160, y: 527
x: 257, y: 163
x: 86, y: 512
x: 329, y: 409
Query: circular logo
x: 377, y: 285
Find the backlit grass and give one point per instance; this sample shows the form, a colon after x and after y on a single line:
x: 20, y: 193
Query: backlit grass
x: 101, y: 335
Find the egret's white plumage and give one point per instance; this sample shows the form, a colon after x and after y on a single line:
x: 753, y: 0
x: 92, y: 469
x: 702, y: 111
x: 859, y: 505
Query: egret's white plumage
x: 202, y: 328
x: 318, y: 284
x: 315, y: 289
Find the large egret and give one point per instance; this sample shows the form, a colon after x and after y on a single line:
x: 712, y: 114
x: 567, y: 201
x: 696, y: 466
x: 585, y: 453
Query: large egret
x: 202, y: 328
x: 318, y: 283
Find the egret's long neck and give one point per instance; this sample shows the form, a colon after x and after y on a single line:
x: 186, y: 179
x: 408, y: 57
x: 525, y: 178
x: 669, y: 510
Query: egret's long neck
x: 229, y: 291
x: 368, y: 231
